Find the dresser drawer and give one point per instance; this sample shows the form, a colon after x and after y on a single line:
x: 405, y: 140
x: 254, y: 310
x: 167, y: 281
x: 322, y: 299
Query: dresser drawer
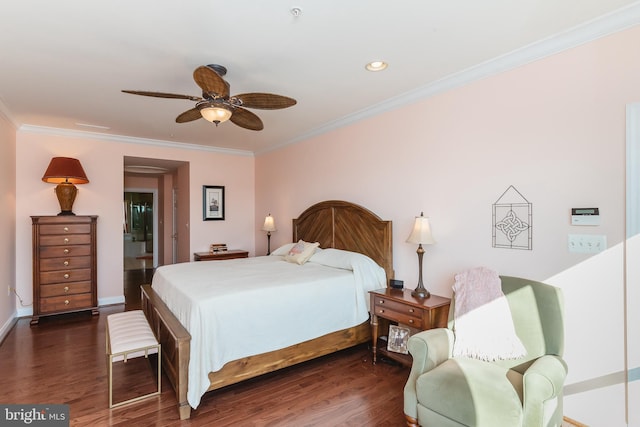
x: 71, y: 239
x: 65, y: 289
x: 398, y: 312
x: 64, y: 303
x: 63, y: 276
x: 65, y: 229
x: 68, y: 263
x: 62, y: 251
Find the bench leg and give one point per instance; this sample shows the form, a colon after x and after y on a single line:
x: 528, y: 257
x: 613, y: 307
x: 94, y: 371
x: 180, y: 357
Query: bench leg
x: 135, y: 399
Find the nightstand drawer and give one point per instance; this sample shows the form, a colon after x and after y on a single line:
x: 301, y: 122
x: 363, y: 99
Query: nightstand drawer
x: 65, y: 302
x: 405, y: 316
x: 389, y: 304
x: 50, y: 264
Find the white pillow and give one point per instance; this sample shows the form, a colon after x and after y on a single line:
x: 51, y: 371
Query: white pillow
x: 301, y: 252
x: 283, y: 250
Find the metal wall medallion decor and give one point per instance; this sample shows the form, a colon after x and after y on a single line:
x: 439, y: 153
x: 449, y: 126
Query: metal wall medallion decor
x: 512, y: 219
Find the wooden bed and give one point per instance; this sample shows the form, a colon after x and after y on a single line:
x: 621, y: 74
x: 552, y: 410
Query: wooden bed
x: 334, y: 224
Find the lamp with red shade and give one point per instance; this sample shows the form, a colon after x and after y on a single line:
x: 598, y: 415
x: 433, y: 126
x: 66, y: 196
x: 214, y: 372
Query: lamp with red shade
x: 66, y: 172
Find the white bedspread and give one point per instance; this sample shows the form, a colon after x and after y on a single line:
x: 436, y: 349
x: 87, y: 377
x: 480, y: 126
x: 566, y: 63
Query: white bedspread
x: 243, y: 307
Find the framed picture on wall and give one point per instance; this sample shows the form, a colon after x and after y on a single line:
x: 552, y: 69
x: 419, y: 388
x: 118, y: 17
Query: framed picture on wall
x: 212, y: 202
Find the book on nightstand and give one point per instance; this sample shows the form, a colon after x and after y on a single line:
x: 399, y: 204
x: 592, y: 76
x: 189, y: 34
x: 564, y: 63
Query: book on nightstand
x: 217, y: 247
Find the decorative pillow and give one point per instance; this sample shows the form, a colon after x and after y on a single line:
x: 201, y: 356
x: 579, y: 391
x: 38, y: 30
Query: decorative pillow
x: 283, y: 250
x: 301, y: 252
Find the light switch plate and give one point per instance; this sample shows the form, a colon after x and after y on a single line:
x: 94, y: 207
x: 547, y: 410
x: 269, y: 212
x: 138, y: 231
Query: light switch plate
x: 587, y: 243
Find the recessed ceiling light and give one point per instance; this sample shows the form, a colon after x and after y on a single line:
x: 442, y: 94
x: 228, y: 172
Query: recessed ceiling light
x: 376, y: 65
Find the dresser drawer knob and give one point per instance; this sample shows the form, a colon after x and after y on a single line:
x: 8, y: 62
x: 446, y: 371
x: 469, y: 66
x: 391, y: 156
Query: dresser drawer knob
x: 381, y: 301
x: 66, y: 229
x: 66, y: 289
x: 66, y: 251
x: 411, y: 321
x: 66, y: 302
x: 380, y: 311
x: 66, y: 262
x: 411, y: 310
x: 66, y: 240
x: 66, y: 275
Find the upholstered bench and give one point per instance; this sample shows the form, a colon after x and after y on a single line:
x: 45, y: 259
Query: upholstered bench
x: 129, y: 336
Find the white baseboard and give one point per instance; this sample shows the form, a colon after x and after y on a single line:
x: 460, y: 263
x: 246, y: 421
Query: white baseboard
x: 6, y: 328
x: 111, y: 300
x: 28, y: 311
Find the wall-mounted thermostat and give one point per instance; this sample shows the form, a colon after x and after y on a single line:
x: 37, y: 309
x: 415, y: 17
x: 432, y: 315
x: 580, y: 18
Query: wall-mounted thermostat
x: 585, y: 216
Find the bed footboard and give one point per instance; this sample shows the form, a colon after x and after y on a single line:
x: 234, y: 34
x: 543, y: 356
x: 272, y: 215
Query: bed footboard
x: 176, y: 345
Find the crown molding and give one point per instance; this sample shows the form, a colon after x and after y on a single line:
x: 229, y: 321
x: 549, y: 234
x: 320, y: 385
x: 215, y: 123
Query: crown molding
x: 4, y: 112
x: 605, y: 25
x: 129, y: 140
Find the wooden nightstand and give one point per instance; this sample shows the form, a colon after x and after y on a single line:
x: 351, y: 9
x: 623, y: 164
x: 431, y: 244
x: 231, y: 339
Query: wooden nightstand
x: 397, y: 306
x: 217, y: 256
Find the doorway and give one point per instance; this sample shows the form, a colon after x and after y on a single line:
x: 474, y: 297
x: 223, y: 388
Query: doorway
x: 154, y: 220
x: 140, y: 229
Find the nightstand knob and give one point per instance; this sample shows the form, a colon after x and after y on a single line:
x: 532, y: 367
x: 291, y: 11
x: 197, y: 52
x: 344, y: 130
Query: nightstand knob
x: 381, y: 301
x: 411, y: 310
x: 66, y: 302
x: 66, y: 289
x: 66, y: 275
x: 66, y: 262
x: 66, y: 229
x: 66, y: 250
x: 380, y: 311
x: 66, y: 240
x: 410, y: 320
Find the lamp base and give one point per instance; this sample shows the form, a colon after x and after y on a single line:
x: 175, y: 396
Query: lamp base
x: 66, y: 193
x: 420, y: 293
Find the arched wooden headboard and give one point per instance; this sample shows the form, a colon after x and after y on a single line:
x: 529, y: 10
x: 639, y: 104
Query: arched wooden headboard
x: 344, y: 225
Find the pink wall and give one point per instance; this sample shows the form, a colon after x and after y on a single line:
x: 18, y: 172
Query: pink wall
x: 103, y: 163
x: 554, y: 129
x: 7, y: 224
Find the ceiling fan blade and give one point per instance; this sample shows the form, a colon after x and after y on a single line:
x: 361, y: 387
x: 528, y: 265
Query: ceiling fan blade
x: 246, y: 119
x: 163, y: 95
x: 189, y: 116
x: 210, y: 81
x: 265, y: 101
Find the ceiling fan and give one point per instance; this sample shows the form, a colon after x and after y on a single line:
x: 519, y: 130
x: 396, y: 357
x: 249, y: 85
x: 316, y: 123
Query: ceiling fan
x: 217, y: 106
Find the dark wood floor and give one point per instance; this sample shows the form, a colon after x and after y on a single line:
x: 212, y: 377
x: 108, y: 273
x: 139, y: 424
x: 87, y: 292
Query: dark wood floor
x: 62, y: 360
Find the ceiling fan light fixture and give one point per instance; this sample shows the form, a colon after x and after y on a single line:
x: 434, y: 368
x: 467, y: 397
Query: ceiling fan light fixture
x: 215, y: 113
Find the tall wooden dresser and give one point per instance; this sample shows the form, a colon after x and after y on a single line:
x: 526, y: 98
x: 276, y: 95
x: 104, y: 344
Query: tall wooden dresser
x: 64, y: 265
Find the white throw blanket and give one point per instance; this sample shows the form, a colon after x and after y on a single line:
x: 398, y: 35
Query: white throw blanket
x: 483, y: 323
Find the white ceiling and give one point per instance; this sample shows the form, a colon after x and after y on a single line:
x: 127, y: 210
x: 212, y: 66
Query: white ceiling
x: 63, y: 64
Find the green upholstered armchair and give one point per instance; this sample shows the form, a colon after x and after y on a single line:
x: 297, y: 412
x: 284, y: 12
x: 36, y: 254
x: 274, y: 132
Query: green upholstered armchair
x: 456, y: 391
